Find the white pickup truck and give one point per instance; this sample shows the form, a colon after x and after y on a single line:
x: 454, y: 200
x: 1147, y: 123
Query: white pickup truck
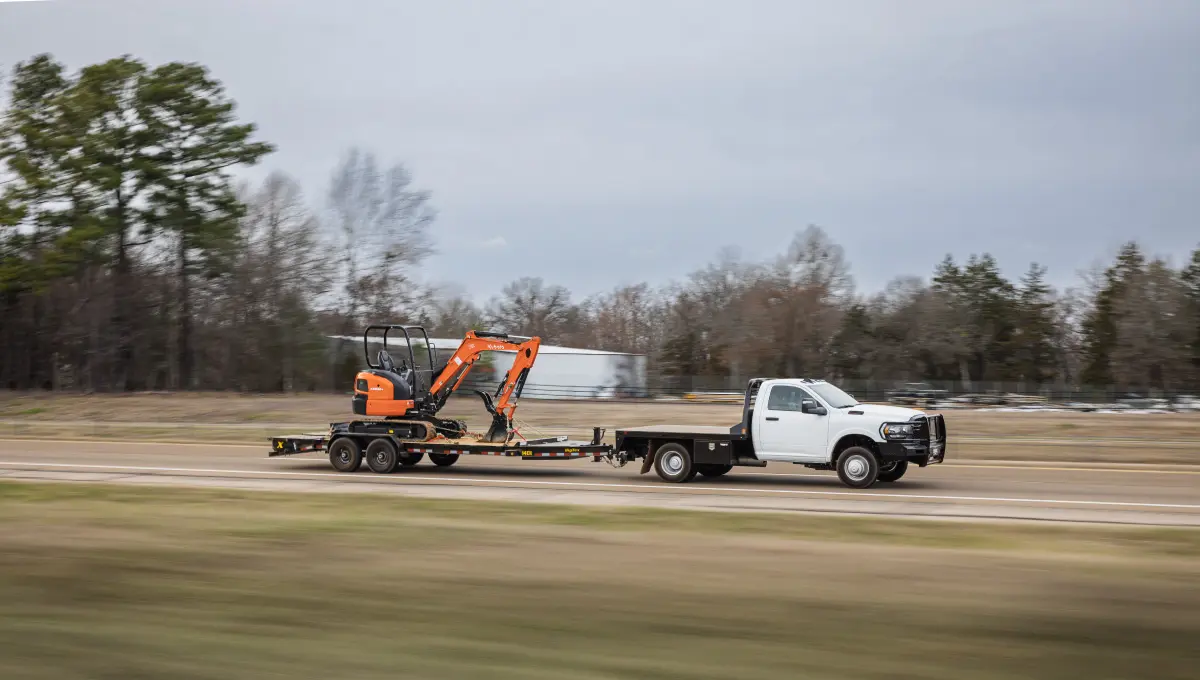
x: 801, y: 421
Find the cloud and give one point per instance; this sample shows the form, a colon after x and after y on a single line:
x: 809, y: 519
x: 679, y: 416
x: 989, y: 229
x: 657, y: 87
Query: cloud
x: 639, y: 137
x: 493, y: 243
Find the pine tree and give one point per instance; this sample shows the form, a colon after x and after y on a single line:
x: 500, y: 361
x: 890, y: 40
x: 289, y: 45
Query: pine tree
x: 1034, y: 337
x: 1191, y: 281
x: 1100, y: 326
x: 197, y: 141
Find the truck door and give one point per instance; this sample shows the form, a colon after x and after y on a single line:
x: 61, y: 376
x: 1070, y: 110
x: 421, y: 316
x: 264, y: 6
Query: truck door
x: 783, y: 431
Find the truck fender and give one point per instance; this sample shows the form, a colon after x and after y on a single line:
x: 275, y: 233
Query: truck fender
x: 847, y: 432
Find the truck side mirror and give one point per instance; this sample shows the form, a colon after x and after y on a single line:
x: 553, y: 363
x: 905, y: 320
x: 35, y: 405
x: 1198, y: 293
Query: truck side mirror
x: 810, y: 406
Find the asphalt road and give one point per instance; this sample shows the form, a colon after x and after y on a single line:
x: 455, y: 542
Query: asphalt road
x: 1148, y: 495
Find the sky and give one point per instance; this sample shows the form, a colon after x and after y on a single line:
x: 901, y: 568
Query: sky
x: 595, y: 143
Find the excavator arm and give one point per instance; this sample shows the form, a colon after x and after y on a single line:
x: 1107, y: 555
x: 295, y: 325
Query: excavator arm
x: 503, y: 404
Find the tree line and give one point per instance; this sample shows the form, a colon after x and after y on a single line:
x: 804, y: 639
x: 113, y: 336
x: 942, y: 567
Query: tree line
x: 131, y: 258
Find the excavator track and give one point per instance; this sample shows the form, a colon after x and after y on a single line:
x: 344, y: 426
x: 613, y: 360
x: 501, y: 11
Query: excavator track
x: 418, y: 430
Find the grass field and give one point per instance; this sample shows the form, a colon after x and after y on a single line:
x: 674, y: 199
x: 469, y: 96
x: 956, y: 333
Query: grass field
x: 1085, y: 437
x: 114, y: 582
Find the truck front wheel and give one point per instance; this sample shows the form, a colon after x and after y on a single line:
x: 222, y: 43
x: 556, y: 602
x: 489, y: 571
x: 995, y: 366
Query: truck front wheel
x: 673, y: 463
x: 890, y: 472
x: 857, y: 467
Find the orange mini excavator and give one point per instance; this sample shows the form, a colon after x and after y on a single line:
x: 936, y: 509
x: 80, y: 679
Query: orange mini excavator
x: 410, y: 396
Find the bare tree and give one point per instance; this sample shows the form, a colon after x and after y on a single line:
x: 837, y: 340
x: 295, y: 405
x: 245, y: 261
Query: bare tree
x: 624, y: 320
x: 282, y: 269
x: 447, y: 311
x: 383, y: 228
x: 528, y: 306
x: 1153, y: 330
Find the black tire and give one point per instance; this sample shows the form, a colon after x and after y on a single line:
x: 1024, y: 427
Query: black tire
x: 673, y: 463
x: 345, y: 455
x: 713, y: 469
x: 890, y: 472
x: 410, y: 459
x: 443, y: 459
x: 382, y: 457
x: 858, y: 468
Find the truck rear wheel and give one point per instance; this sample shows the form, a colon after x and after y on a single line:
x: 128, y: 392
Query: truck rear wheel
x: 673, y: 463
x: 382, y: 457
x: 345, y: 455
x: 857, y: 467
x: 411, y: 459
x: 713, y: 469
x: 443, y: 459
x: 890, y: 472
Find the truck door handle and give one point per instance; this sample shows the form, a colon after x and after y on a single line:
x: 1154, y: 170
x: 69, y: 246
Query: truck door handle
x: 772, y: 418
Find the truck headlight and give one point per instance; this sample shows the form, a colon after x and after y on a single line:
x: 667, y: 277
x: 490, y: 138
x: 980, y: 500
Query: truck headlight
x: 896, y: 430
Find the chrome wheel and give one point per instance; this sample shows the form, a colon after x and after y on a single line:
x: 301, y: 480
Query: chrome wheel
x: 857, y: 468
x: 673, y: 462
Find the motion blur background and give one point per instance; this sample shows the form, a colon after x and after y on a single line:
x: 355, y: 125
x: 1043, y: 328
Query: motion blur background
x: 984, y: 196
x: 967, y: 206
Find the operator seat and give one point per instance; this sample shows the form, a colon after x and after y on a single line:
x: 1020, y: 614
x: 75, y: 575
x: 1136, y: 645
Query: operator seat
x: 401, y: 378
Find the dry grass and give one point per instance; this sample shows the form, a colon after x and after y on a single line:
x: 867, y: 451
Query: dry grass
x: 112, y: 582
x: 1083, y: 437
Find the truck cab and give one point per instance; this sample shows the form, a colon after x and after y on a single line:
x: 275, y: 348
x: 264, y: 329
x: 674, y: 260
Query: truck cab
x: 803, y: 421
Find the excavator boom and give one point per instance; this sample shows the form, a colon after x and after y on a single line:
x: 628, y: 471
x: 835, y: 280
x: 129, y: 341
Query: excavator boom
x: 503, y: 403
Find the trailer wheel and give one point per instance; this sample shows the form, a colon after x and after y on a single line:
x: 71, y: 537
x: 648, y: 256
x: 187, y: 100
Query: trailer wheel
x: 890, y: 472
x: 857, y: 467
x: 673, y: 463
x: 410, y: 459
x: 443, y: 459
x: 382, y: 457
x: 345, y: 455
x: 713, y: 469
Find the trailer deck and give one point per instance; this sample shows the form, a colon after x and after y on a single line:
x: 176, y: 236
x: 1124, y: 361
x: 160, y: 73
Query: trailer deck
x: 364, y: 432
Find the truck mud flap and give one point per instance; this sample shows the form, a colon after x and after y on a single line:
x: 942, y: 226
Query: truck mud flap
x: 647, y: 462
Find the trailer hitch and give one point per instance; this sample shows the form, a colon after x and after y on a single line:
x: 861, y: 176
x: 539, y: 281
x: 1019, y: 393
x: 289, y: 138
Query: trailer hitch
x: 617, y: 459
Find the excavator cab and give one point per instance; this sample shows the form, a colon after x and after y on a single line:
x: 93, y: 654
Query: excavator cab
x: 389, y: 388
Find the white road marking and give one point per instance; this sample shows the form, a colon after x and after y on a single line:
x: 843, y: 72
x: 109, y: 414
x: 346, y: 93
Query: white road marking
x: 143, y: 442
x: 602, y: 485
x: 1051, y: 465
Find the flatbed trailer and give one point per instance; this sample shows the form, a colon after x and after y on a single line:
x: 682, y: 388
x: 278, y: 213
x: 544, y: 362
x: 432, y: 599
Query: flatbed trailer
x: 377, y: 442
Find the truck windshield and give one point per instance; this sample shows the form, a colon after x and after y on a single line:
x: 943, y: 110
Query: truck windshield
x: 832, y: 395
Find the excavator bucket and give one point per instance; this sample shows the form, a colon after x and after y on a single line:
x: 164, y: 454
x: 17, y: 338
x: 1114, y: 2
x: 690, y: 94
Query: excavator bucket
x: 499, y: 430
